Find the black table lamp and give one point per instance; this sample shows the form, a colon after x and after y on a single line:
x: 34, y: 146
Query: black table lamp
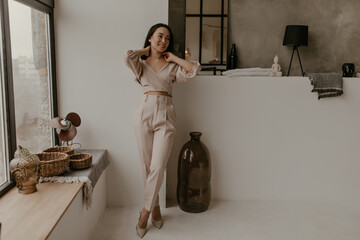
x: 296, y: 35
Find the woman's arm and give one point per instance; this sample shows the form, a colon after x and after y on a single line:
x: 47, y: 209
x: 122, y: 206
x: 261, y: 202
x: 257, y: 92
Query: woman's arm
x: 132, y: 60
x: 186, y: 70
x: 185, y: 64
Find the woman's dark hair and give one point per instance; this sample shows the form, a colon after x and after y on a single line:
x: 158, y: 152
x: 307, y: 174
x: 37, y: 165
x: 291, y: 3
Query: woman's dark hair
x: 151, y: 31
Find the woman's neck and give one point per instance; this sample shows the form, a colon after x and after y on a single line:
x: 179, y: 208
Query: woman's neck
x: 156, y: 56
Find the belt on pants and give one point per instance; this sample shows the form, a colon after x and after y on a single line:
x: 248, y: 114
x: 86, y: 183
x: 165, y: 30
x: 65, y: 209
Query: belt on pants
x: 157, y: 98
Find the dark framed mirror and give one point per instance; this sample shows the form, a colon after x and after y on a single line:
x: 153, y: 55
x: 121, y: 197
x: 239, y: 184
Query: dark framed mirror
x: 201, y: 32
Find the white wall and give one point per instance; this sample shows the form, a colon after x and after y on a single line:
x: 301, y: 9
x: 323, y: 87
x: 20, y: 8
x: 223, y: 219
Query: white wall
x: 271, y: 139
x: 91, y: 39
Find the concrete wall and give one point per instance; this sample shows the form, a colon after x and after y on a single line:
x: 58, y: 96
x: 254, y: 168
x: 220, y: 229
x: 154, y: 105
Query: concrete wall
x: 257, y: 27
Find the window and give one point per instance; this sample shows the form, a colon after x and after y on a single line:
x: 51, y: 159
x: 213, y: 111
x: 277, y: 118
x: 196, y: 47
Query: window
x: 206, y: 33
x: 28, y: 99
x: 4, y: 163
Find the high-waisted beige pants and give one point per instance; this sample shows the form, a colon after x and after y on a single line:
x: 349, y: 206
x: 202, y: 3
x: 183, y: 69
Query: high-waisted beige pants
x: 154, y: 124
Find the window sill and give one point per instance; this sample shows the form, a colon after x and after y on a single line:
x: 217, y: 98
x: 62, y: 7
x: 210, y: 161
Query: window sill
x: 35, y: 215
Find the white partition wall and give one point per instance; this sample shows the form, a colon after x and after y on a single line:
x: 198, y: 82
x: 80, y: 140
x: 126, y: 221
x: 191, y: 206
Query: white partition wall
x: 271, y: 138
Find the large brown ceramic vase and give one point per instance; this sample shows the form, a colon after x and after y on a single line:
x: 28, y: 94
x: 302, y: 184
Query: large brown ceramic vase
x: 194, y: 173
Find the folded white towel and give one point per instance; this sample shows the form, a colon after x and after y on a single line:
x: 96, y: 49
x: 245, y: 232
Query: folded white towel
x: 247, y: 72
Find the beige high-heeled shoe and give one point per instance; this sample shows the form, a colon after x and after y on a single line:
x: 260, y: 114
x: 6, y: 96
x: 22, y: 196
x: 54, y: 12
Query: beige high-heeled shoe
x: 140, y: 231
x: 157, y: 224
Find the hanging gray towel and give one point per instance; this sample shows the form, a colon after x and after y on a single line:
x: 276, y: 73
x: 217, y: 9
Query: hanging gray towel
x: 326, y: 84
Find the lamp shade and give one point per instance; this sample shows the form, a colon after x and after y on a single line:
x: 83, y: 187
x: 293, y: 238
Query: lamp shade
x: 296, y: 35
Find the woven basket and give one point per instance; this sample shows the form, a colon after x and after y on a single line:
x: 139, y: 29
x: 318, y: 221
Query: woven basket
x: 63, y: 149
x: 80, y: 161
x: 53, y: 163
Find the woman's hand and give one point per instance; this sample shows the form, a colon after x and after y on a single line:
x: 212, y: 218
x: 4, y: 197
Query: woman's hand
x: 169, y: 57
x: 147, y: 51
x: 144, y: 51
x: 187, y: 65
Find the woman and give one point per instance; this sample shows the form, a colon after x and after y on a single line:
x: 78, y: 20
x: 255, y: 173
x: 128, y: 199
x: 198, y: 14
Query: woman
x: 156, y: 69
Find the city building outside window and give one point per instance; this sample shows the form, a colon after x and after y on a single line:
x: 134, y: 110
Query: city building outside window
x: 28, y: 89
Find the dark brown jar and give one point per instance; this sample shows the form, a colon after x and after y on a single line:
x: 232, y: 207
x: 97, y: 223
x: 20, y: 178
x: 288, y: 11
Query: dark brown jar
x: 194, y: 173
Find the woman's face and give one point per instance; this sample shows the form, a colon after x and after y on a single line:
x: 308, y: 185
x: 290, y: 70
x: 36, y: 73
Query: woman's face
x: 160, y: 40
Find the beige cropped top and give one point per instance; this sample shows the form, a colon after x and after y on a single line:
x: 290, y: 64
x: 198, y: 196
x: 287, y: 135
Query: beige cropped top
x: 163, y: 80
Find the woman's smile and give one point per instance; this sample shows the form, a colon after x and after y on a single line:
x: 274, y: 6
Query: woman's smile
x: 160, y: 39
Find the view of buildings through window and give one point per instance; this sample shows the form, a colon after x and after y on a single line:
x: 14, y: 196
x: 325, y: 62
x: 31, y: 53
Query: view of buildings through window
x: 31, y: 80
x: 28, y: 32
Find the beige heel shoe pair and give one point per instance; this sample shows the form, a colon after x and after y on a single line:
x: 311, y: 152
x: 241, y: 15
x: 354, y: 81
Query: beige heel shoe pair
x: 141, y: 231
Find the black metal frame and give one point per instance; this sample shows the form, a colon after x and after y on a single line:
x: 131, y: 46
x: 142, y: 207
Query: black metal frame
x: 222, y: 16
x: 8, y: 85
x: 44, y: 6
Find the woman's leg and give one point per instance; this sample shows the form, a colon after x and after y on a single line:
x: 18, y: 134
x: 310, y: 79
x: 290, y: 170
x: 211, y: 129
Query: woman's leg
x: 156, y: 214
x: 143, y: 219
x: 144, y: 139
x: 144, y: 136
x: 163, y: 140
x: 164, y: 126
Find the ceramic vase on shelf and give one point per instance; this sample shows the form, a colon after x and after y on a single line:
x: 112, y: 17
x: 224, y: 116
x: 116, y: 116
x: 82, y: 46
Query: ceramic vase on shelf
x: 348, y: 69
x: 194, y: 173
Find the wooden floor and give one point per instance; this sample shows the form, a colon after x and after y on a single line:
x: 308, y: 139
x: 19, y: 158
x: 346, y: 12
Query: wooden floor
x: 34, y: 216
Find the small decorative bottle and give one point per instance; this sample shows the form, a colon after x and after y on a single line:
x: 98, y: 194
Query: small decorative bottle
x: 194, y: 173
x: 232, y: 60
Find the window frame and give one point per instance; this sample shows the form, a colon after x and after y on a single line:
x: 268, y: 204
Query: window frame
x: 46, y: 6
x: 201, y: 16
